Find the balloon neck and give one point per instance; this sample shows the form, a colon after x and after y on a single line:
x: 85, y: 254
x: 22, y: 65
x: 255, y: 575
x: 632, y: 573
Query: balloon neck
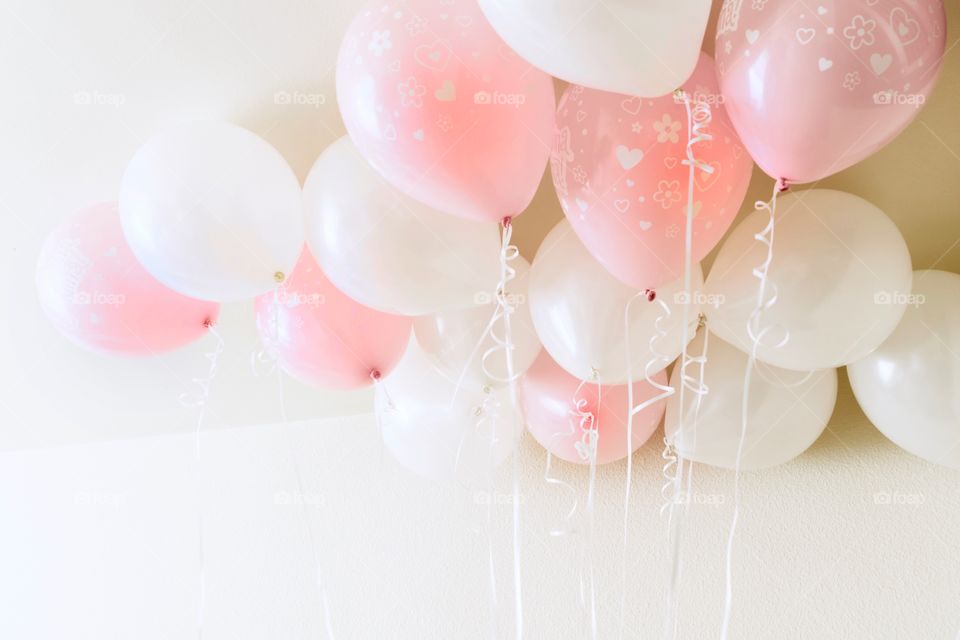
x: 782, y: 185
x: 506, y: 221
x: 208, y: 323
x: 650, y: 294
x: 279, y: 277
x: 375, y: 375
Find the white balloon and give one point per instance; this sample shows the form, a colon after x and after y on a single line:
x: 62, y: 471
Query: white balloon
x: 578, y: 311
x: 910, y: 386
x: 454, y: 341
x: 788, y: 410
x: 213, y: 211
x: 445, y: 436
x: 839, y: 265
x: 389, y: 251
x: 645, y: 48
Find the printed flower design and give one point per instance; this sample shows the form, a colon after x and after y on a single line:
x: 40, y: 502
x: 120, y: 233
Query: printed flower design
x: 758, y: 5
x: 411, y: 93
x: 671, y: 231
x: 727, y: 47
x: 668, y: 193
x: 416, y: 25
x: 667, y: 129
x: 851, y: 80
x: 860, y: 32
x: 636, y: 127
x: 580, y: 174
x: 444, y: 123
x: 380, y: 42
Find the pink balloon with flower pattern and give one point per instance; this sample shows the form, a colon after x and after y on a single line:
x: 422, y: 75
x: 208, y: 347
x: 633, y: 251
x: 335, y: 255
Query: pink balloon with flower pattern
x: 437, y: 102
x: 618, y: 169
x: 815, y: 87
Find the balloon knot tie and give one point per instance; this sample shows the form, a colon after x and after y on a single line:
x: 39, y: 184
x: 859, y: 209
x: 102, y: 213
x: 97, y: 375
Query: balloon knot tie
x: 650, y: 294
x: 375, y: 375
x: 782, y: 185
x: 506, y: 221
x: 207, y: 323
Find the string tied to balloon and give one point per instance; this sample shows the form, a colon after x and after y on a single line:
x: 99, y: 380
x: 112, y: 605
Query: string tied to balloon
x: 756, y: 334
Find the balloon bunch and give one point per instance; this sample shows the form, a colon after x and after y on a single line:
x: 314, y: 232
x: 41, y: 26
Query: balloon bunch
x: 393, y: 265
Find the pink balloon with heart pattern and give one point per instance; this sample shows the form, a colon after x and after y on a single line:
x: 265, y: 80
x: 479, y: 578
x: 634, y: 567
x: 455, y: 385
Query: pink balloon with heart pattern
x: 618, y: 168
x: 815, y: 87
x: 443, y: 109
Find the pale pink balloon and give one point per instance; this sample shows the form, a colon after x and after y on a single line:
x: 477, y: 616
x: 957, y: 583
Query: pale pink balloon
x: 547, y: 393
x: 435, y: 100
x: 325, y: 338
x: 816, y: 87
x: 618, y: 169
x: 96, y: 293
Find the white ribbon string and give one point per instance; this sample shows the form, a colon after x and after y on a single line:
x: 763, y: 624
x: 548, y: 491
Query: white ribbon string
x: 586, y: 447
x: 200, y: 399
x: 756, y: 334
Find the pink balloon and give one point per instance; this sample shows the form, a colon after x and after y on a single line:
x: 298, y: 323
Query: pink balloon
x: 618, y: 169
x: 449, y: 114
x: 96, y: 293
x: 816, y: 87
x: 547, y: 394
x: 324, y: 338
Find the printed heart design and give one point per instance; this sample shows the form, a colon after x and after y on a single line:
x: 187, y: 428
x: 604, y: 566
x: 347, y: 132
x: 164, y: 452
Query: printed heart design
x: 432, y: 56
x: 632, y: 105
x: 645, y: 225
x: 446, y: 93
x: 705, y: 180
x: 390, y: 133
x: 906, y: 28
x: 824, y: 63
x: 670, y: 162
x: 752, y: 35
x: 418, y: 135
x: 821, y: 10
x: 629, y: 158
x: 805, y: 35
x: 880, y: 63
x: 581, y: 115
x: 621, y: 205
x: 582, y: 205
x: 631, y: 183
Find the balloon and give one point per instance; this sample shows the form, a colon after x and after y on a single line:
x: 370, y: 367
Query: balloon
x: 96, y: 293
x: 448, y: 114
x: 619, y: 46
x: 815, y: 89
x: 212, y: 211
x: 548, y: 393
x: 839, y: 264
x: 578, y: 311
x: 788, y: 410
x: 389, y: 251
x: 454, y: 342
x: 910, y: 386
x: 324, y: 338
x: 440, y: 435
x: 618, y: 169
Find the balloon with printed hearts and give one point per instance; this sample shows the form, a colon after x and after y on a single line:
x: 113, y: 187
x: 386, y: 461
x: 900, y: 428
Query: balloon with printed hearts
x: 815, y: 87
x: 443, y: 108
x: 618, y: 168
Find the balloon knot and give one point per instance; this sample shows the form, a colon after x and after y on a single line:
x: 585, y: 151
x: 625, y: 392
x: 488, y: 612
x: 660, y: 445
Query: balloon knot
x: 207, y: 323
x: 375, y: 374
x: 782, y: 185
x: 506, y: 221
x: 650, y: 294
